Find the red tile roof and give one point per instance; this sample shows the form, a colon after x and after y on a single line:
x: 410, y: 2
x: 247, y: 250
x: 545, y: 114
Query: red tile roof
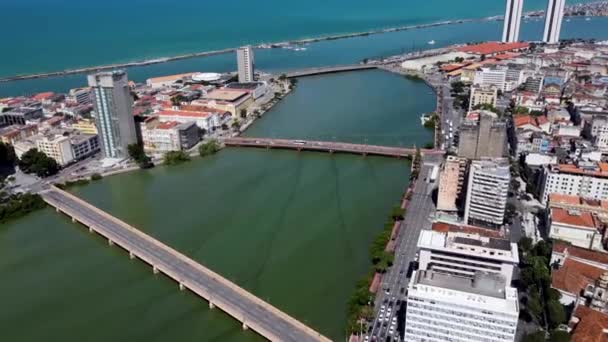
x: 591, y: 326
x: 573, y: 276
x: 184, y: 113
x: 492, y: 47
x: 521, y: 120
x: 573, y: 217
x: 581, y: 253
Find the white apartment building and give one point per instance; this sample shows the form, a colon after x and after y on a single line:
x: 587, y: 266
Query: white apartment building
x: 57, y: 147
x: 487, y: 77
x: 587, y: 180
x: 245, y: 64
x: 579, y: 227
x: 161, y: 137
x: 487, y: 192
x: 205, y: 120
x: 464, y: 254
x: 480, y: 95
x: 443, y: 307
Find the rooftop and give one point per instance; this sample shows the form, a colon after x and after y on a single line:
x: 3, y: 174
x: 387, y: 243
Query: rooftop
x: 488, y: 291
x: 573, y: 276
x: 573, y: 217
x: 580, y: 253
x: 469, y: 244
x: 489, y: 48
x: 226, y: 95
x: 592, y: 325
x: 600, y: 171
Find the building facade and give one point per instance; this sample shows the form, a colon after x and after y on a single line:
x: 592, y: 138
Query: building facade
x: 588, y: 181
x: 451, y: 183
x: 553, y: 21
x: 56, y: 147
x: 245, y: 64
x: 465, y: 254
x: 487, y: 192
x: 113, y: 112
x: 482, y: 135
x: 443, y: 307
x: 510, y: 31
x: 480, y: 95
x: 490, y: 77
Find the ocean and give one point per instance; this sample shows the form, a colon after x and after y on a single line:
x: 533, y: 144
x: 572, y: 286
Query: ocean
x: 334, y: 52
x: 43, y: 35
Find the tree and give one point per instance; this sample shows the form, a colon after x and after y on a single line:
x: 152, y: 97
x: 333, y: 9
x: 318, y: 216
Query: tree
x: 96, y: 176
x: 457, y: 87
x: 525, y: 243
x: 534, y: 304
x: 485, y: 106
x: 176, y: 157
x: 7, y: 155
x: 538, y: 336
x: 559, y: 336
x: 34, y: 161
x: 556, y: 314
x: 136, y: 151
x: 208, y: 148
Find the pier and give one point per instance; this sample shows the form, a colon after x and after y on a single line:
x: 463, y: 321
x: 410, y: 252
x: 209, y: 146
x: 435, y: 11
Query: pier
x: 252, y: 312
x: 324, y: 146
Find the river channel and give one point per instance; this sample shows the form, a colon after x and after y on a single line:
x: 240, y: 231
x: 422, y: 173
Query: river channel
x: 293, y: 228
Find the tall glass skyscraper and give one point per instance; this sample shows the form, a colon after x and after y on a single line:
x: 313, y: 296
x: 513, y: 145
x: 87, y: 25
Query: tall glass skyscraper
x: 113, y: 112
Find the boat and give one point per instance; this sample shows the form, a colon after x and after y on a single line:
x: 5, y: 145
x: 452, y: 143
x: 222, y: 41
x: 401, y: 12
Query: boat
x: 431, y: 42
x: 587, y: 19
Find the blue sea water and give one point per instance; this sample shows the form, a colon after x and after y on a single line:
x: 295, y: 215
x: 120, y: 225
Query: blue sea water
x: 50, y: 35
x: 334, y: 52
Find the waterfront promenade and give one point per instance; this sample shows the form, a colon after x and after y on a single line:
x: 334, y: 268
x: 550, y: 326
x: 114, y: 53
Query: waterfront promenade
x: 252, y: 312
x: 323, y: 146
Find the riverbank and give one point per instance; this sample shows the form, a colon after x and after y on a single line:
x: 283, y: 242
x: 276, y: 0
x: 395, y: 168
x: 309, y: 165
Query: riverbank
x: 573, y: 10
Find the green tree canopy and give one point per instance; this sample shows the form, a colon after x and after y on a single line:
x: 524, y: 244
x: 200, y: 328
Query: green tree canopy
x: 34, y: 161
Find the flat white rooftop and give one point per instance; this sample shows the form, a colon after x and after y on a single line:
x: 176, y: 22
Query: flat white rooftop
x: 482, y: 293
x: 469, y: 244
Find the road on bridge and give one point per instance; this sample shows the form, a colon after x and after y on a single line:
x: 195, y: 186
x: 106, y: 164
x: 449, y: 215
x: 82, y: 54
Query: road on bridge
x: 238, y: 303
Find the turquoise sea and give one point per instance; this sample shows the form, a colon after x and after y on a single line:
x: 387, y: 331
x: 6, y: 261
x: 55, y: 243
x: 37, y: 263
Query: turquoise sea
x: 334, y: 52
x: 49, y: 35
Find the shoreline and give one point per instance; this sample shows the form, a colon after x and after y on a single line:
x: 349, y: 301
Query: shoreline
x: 571, y: 11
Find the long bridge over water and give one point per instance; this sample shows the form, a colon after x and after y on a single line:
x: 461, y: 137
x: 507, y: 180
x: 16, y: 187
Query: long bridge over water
x: 328, y: 70
x: 324, y: 146
x: 252, y: 312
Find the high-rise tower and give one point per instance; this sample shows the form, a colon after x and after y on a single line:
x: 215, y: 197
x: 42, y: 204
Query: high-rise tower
x: 510, y: 31
x: 244, y: 60
x: 553, y: 21
x: 113, y: 112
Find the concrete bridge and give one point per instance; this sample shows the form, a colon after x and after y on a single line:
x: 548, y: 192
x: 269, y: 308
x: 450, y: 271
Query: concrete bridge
x: 328, y: 70
x: 252, y: 312
x: 323, y: 146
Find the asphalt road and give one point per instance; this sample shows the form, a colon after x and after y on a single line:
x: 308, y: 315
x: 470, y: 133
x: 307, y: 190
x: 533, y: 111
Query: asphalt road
x: 394, y: 283
x: 190, y: 275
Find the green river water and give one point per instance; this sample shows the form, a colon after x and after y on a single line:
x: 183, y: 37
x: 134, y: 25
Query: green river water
x: 293, y: 228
